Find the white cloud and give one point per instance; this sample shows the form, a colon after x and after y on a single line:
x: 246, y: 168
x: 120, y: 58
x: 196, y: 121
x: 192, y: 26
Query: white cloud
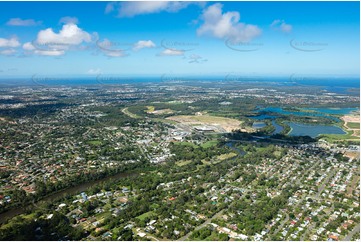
x: 31, y: 49
x: 22, y: 22
x: 28, y: 46
x: 94, y: 71
x: 50, y: 43
x: 70, y: 34
x: 171, y: 52
x: 281, y: 25
x: 226, y: 25
x: 143, y: 44
x: 12, y: 42
x: 50, y: 52
x: 69, y: 20
x: 7, y: 52
x: 117, y: 53
x: 130, y: 9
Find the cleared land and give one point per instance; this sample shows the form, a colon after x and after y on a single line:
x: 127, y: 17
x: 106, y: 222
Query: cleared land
x: 352, y: 123
x: 132, y: 115
x: 146, y: 215
x: 183, y: 162
x: 221, y: 123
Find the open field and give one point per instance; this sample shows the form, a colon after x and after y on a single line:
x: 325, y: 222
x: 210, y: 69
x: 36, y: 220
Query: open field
x: 210, y: 143
x: 219, y: 158
x: 351, y: 118
x: 183, y: 162
x: 145, y: 215
x: 223, y: 124
x: 151, y: 110
x: 226, y: 156
x: 132, y: 115
x: 352, y: 124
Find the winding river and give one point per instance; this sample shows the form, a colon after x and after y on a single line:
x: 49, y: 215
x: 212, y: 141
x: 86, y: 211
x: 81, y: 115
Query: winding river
x: 62, y: 193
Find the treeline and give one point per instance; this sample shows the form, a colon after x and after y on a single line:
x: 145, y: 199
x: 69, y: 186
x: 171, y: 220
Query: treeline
x: 244, y: 136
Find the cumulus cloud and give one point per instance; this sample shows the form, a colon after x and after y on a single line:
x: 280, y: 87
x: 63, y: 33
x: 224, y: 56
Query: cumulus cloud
x: 50, y: 43
x: 281, y: 25
x: 70, y: 34
x: 226, y: 25
x: 171, y: 52
x: 12, y: 42
x: 143, y: 44
x: 22, y: 22
x: 130, y: 9
x: 69, y: 20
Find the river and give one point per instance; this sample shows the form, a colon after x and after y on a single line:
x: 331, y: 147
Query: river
x: 240, y: 152
x: 62, y: 193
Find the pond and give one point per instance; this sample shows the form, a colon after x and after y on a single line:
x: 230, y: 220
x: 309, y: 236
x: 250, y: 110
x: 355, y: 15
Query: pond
x: 258, y: 125
x: 306, y: 112
x: 313, y: 131
x: 278, y: 128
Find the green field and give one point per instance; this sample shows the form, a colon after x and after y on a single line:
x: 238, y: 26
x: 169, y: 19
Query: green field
x: 130, y: 114
x: 209, y: 144
x: 340, y: 137
x: 145, y: 215
x: 95, y: 142
x: 183, y: 162
x: 353, y: 125
x: 150, y: 109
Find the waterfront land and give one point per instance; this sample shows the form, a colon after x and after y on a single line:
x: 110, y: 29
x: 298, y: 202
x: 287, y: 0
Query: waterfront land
x: 178, y: 161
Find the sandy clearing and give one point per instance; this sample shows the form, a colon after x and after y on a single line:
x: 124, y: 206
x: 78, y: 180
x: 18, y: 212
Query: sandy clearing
x: 227, y: 124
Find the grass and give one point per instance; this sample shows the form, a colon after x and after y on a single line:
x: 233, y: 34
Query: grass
x: 226, y: 156
x: 209, y: 144
x: 95, y: 142
x: 218, y: 159
x: 353, y: 125
x: 277, y: 153
x: 145, y: 215
x: 150, y: 109
x: 132, y: 115
x: 340, y: 137
x: 183, y: 162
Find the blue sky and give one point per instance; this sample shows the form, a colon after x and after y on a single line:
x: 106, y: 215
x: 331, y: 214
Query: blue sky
x: 179, y: 38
